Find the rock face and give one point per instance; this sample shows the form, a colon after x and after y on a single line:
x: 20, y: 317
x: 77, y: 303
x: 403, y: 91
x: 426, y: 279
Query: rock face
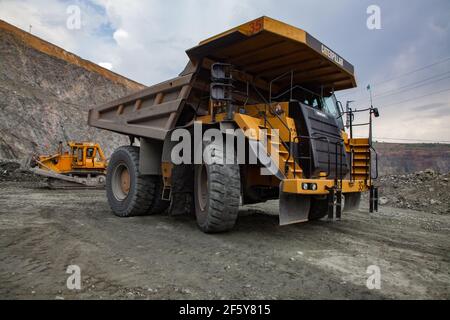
x: 42, y: 88
x: 395, y: 158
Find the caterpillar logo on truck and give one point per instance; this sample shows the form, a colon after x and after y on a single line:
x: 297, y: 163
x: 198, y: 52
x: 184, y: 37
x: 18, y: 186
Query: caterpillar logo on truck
x: 332, y: 55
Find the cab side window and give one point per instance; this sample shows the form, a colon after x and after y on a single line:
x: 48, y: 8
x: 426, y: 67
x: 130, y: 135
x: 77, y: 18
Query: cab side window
x: 75, y: 154
x: 90, y: 153
x: 97, y: 157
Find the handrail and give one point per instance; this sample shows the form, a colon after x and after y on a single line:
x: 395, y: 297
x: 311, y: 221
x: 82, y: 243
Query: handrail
x: 361, y: 124
x: 270, y: 107
x: 291, y: 72
x: 339, y: 141
x: 350, y: 123
x: 279, y: 118
x: 297, y: 87
x: 376, y: 164
x: 352, y: 156
x: 355, y: 111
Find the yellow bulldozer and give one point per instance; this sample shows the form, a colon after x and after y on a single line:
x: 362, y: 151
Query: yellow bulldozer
x: 83, y: 165
x: 266, y: 86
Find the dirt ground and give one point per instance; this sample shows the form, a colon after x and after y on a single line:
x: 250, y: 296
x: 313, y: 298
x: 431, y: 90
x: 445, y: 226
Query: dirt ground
x: 161, y: 257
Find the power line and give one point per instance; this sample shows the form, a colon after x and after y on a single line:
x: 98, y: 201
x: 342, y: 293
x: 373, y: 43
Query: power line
x: 419, y: 97
x: 412, y: 84
x: 405, y: 74
x: 395, y: 92
x: 413, y: 71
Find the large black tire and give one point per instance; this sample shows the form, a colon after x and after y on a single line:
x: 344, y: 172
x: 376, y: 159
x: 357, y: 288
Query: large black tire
x: 352, y: 201
x: 318, y: 209
x: 217, y: 190
x: 129, y: 193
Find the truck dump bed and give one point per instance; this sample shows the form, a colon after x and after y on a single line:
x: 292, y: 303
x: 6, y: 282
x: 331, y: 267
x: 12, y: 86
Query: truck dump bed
x: 262, y: 50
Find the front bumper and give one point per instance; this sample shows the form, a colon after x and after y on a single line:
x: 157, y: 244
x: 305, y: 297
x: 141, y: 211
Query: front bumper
x: 321, y: 186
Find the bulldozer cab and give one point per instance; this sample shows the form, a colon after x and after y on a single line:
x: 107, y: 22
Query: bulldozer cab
x: 77, y: 156
x: 87, y: 155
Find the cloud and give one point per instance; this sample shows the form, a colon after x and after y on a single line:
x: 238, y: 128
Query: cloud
x: 106, y: 65
x: 146, y: 41
x: 121, y: 37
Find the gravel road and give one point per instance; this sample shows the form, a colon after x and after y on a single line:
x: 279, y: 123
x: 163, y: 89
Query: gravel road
x: 160, y: 257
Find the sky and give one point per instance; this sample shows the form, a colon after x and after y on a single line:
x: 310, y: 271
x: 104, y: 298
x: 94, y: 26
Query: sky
x: 406, y: 61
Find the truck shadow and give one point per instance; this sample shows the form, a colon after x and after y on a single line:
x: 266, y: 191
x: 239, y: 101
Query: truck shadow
x: 259, y: 221
x: 256, y: 221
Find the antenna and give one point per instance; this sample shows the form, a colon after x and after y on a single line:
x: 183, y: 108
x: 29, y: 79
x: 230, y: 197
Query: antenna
x: 31, y: 27
x: 370, y: 93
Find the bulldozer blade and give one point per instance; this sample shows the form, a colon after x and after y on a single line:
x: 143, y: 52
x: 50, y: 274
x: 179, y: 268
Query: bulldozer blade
x: 58, y: 184
x: 294, y: 208
x: 61, y: 181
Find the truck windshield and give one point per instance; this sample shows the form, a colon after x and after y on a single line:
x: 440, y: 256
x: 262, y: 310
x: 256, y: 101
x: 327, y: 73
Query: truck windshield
x: 330, y: 106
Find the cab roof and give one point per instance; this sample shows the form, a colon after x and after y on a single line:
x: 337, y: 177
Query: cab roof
x: 267, y: 48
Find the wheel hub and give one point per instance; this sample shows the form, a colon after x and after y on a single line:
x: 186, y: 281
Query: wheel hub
x: 125, y: 181
x: 121, y: 182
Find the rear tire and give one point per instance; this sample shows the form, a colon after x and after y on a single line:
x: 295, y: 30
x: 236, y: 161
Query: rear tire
x: 129, y: 193
x: 216, y: 193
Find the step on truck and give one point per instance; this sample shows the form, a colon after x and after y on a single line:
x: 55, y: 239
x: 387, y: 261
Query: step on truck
x: 252, y: 117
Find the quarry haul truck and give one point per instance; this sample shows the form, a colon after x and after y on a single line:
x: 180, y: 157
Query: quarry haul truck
x: 252, y: 117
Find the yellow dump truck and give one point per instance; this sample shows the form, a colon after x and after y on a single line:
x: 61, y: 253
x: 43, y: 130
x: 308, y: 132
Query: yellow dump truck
x: 252, y: 117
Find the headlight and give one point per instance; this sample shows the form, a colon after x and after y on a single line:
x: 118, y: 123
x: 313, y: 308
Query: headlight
x: 305, y: 186
x: 313, y: 186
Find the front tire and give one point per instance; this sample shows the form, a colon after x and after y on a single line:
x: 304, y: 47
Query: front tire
x: 216, y: 193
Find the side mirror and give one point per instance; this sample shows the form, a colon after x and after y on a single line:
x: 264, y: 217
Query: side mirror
x: 376, y: 113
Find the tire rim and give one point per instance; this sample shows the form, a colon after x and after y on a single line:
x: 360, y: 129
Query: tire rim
x: 121, y: 182
x: 202, y: 187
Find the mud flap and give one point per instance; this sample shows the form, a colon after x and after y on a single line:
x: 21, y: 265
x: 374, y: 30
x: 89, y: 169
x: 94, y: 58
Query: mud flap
x: 294, y: 208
